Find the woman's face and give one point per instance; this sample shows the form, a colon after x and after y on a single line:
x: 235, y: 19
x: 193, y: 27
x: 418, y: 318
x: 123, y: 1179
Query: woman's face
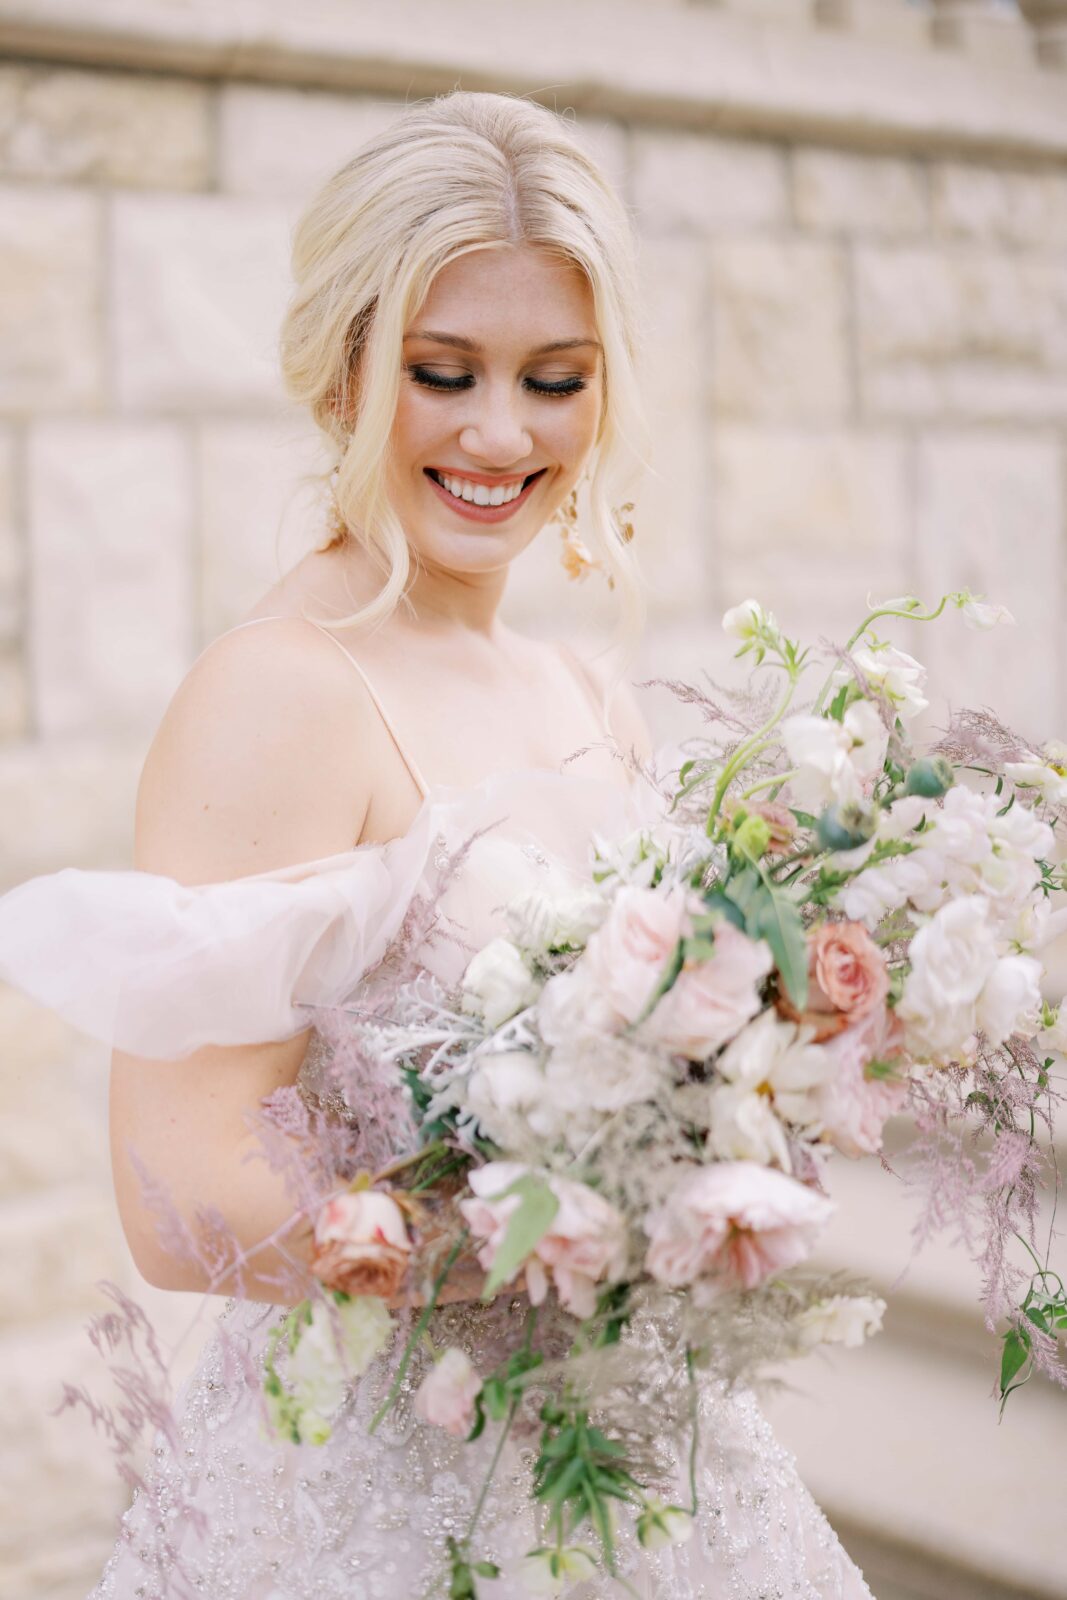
x: 485, y: 404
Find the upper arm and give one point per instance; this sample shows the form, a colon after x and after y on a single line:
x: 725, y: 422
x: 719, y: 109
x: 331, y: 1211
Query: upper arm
x: 258, y: 763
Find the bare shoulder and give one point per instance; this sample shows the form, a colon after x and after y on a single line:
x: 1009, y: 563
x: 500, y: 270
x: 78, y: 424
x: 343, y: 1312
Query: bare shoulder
x: 258, y: 760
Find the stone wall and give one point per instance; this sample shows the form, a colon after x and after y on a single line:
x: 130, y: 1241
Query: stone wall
x: 853, y: 222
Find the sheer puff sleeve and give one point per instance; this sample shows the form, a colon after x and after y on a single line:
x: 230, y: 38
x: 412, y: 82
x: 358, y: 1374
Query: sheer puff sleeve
x: 159, y: 969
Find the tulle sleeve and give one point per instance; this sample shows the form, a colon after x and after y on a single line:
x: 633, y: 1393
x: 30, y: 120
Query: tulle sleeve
x: 158, y: 968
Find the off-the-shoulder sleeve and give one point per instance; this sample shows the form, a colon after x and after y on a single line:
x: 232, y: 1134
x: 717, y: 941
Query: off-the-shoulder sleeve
x: 158, y: 968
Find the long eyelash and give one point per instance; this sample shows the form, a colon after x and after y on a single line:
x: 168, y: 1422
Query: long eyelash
x: 434, y: 380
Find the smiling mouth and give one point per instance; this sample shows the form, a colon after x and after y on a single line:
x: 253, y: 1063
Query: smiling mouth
x: 516, y: 487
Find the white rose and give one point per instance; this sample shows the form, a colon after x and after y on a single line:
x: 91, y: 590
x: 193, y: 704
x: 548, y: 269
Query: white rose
x: 961, y: 825
x: 1010, y: 1001
x: 840, y: 1319
x: 497, y: 983
x: 952, y: 955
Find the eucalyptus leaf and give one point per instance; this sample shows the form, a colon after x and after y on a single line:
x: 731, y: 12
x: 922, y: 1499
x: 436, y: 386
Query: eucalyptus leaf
x: 773, y: 916
x: 527, y: 1226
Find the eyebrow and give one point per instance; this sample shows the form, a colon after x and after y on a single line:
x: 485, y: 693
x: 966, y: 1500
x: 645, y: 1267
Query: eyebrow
x: 459, y: 343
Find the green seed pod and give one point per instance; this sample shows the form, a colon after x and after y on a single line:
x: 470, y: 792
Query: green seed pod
x: 929, y: 777
x: 847, y: 826
x: 751, y: 837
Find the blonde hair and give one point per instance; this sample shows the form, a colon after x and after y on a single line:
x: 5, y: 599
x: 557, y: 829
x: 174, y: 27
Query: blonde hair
x: 459, y: 172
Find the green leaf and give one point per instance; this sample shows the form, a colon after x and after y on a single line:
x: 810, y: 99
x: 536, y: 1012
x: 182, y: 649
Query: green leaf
x: 836, y: 708
x: 1016, y: 1354
x: 486, y: 1569
x: 729, y: 910
x: 741, y: 887
x: 526, y: 1227
x: 773, y: 916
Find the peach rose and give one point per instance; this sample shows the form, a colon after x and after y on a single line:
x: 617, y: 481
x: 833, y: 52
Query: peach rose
x: 361, y: 1244
x: 731, y: 1226
x: 847, y: 979
x: 710, y: 1001
x: 446, y: 1396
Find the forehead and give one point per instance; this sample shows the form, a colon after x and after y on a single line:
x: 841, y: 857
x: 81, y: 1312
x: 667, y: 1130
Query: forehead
x: 516, y: 294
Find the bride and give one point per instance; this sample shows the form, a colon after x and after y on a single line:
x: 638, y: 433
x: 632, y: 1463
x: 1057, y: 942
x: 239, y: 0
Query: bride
x: 463, y: 330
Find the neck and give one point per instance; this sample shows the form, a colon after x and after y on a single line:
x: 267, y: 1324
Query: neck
x: 440, y: 600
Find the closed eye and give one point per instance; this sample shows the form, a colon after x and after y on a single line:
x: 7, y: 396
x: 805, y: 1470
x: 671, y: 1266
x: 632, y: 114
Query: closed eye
x: 436, y: 380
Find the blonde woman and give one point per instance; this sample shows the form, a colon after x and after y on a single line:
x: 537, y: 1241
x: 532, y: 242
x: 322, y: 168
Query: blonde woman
x: 464, y: 330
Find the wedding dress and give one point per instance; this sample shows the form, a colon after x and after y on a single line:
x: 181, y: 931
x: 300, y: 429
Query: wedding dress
x: 228, y: 1513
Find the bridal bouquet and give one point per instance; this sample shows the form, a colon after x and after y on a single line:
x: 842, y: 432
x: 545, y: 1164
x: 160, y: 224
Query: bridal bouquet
x: 634, y: 1095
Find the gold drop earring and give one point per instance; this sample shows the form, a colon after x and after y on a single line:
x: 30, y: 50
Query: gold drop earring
x: 577, y: 558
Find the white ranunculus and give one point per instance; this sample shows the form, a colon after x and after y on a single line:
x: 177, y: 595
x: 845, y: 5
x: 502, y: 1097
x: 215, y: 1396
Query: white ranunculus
x: 541, y: 921
x: 1010, y: 1001
x: 743, y: 1127
x: 840, y: 1319
x: 892, y: 671
x: 497, y: 983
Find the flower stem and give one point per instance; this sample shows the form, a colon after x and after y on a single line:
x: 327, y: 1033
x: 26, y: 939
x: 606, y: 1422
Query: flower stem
x: 695, y: 1431
x: 418, y: 1331
x: 750, y: 747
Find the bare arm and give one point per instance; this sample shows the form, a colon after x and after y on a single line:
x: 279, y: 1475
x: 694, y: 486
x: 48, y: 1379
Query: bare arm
x: 258, y: 763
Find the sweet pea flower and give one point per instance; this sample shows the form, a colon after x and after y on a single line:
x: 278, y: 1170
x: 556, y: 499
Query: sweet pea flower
x: 834, y: 757
x: 730, y: 1226
x: 660, y: 1524
x: 361, y: 1244
x: 984, y: 614
x: 445, y: 1398
x: 894, y: 673
x: 1044, y: 770
x: 549, y: 1570
x: 749, y: 622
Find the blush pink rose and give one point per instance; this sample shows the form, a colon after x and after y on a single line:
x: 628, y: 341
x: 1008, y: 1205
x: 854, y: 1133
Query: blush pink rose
x: 585, y: 1244
x: 847, y: 970
x: 361, y: 1244
x: 446, y: 1396
x: 627, y: 955
x: 710, y: 1001
x: 730, y: 1226
x: 853, y: 1109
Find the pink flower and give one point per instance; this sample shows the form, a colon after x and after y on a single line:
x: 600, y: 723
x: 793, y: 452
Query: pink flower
x: 627, y: 955
x: 847, y: 970
x: 731, y: 1226
x: 710, y: 1001
x: 361, y: 1244
x: 446, y: 1396
x: 585, y: 1243
x: 852, y: 1107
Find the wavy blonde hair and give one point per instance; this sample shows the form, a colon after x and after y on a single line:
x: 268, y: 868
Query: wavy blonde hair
x: 459, y: 172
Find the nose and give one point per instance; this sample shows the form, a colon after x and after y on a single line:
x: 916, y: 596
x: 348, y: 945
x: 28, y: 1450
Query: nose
x: 495, y: 433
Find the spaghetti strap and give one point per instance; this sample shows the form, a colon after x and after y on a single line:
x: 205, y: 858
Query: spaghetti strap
x: 409, y: 762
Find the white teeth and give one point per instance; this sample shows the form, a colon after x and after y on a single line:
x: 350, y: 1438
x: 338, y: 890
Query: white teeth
x: 479, y: 494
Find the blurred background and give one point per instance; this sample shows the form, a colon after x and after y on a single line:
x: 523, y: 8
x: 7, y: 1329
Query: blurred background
x: 853, y: 223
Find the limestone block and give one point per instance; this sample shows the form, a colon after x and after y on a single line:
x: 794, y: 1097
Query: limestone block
x: 779, y: 339
x: 838, y: 191
x: 881, y: 22
x: 200, y: 285
x: 14, y: 693
x: 106, y: 127
x: 997, y: 206
x: 111, y: 590
x: 66, y: 804
x: 50, y: 299
x: 56, y: 1243
x: 825, y: 492
x: 277, y: 142
x: 961, y: 333
x: 990, y: 518
x: 12, y: 553
x: 690, y: 183
x: 258, y: 517
x: 672, y: 516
